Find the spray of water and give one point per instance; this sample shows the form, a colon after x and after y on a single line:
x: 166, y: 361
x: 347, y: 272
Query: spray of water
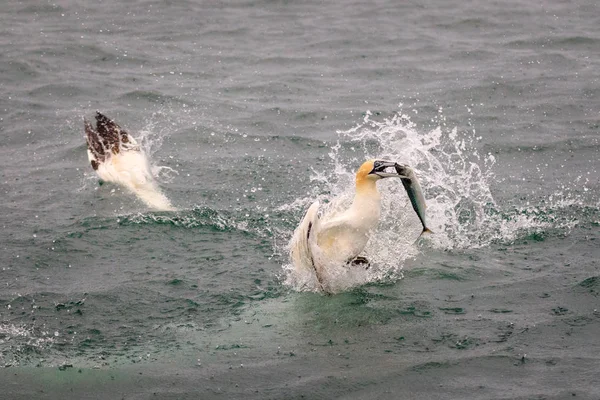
x: 455, y: 176
x: 21, y: 342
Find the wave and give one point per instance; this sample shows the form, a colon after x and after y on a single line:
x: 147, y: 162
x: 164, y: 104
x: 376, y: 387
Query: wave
x: 244, y: 221
x: 570, y: 42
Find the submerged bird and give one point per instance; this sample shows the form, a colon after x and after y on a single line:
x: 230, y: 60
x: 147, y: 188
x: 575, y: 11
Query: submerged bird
x: 116, y: 157
x: 335, y: 240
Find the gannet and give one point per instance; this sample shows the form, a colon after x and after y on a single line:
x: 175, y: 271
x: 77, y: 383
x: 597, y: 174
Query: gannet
x: 336, y: 240
x: 117, y: 157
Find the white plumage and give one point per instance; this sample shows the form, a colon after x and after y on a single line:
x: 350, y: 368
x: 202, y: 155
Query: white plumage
x: 325, y: 244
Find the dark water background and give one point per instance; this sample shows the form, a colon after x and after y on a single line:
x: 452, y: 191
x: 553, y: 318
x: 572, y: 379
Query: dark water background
x: 249, y: 101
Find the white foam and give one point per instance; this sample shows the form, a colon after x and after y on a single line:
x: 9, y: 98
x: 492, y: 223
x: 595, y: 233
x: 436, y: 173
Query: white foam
x: 20, y: 340
x: 455, y: 176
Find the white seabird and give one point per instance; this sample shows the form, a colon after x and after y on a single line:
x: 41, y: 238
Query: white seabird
x: 116, y: 157
x: 334, y: 240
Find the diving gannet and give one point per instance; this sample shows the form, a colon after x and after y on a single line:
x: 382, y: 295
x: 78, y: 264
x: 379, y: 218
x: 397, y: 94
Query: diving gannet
x: 117, y: 157
x: 319, y: 244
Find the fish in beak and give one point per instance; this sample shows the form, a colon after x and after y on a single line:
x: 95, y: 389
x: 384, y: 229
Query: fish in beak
x: 379, y: 169
x: 414, y: 192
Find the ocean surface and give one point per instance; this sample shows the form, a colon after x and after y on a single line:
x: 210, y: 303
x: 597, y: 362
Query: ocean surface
x: 250, y: 111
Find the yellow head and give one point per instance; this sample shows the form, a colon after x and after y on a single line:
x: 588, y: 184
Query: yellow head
x: 362, y: 175
x: 371, y: 171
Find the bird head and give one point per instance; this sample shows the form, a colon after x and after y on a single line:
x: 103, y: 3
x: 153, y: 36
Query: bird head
x: 374, y: 170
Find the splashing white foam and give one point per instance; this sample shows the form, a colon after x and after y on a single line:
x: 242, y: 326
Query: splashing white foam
x: 18, y: 341
x: 455, y: 177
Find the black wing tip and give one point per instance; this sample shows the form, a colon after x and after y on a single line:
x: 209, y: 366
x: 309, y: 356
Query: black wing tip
x: 90, y: 132
x: 103, y: 119
x: 94, y: 144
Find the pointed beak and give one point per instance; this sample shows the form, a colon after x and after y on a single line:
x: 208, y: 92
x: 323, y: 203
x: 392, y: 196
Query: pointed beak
x: 379, y: 168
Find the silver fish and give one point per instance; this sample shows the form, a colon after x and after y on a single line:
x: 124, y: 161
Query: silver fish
x: 414, y: 192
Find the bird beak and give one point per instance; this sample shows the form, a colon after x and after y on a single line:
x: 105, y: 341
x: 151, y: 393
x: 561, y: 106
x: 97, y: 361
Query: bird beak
x: 379, y: 168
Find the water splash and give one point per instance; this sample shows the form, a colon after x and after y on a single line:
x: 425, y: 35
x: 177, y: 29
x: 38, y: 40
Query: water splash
x: 456, y: 178
x: 20, y: 343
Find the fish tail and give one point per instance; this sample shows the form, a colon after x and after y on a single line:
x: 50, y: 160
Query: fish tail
x: 426, y: 230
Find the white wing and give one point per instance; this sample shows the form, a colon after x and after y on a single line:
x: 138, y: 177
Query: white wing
x: 329, y: 230
x: 304, y: 248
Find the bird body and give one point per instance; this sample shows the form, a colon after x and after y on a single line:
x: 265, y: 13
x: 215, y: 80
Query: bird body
x: 345, y: 235
x: 337, y: 239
